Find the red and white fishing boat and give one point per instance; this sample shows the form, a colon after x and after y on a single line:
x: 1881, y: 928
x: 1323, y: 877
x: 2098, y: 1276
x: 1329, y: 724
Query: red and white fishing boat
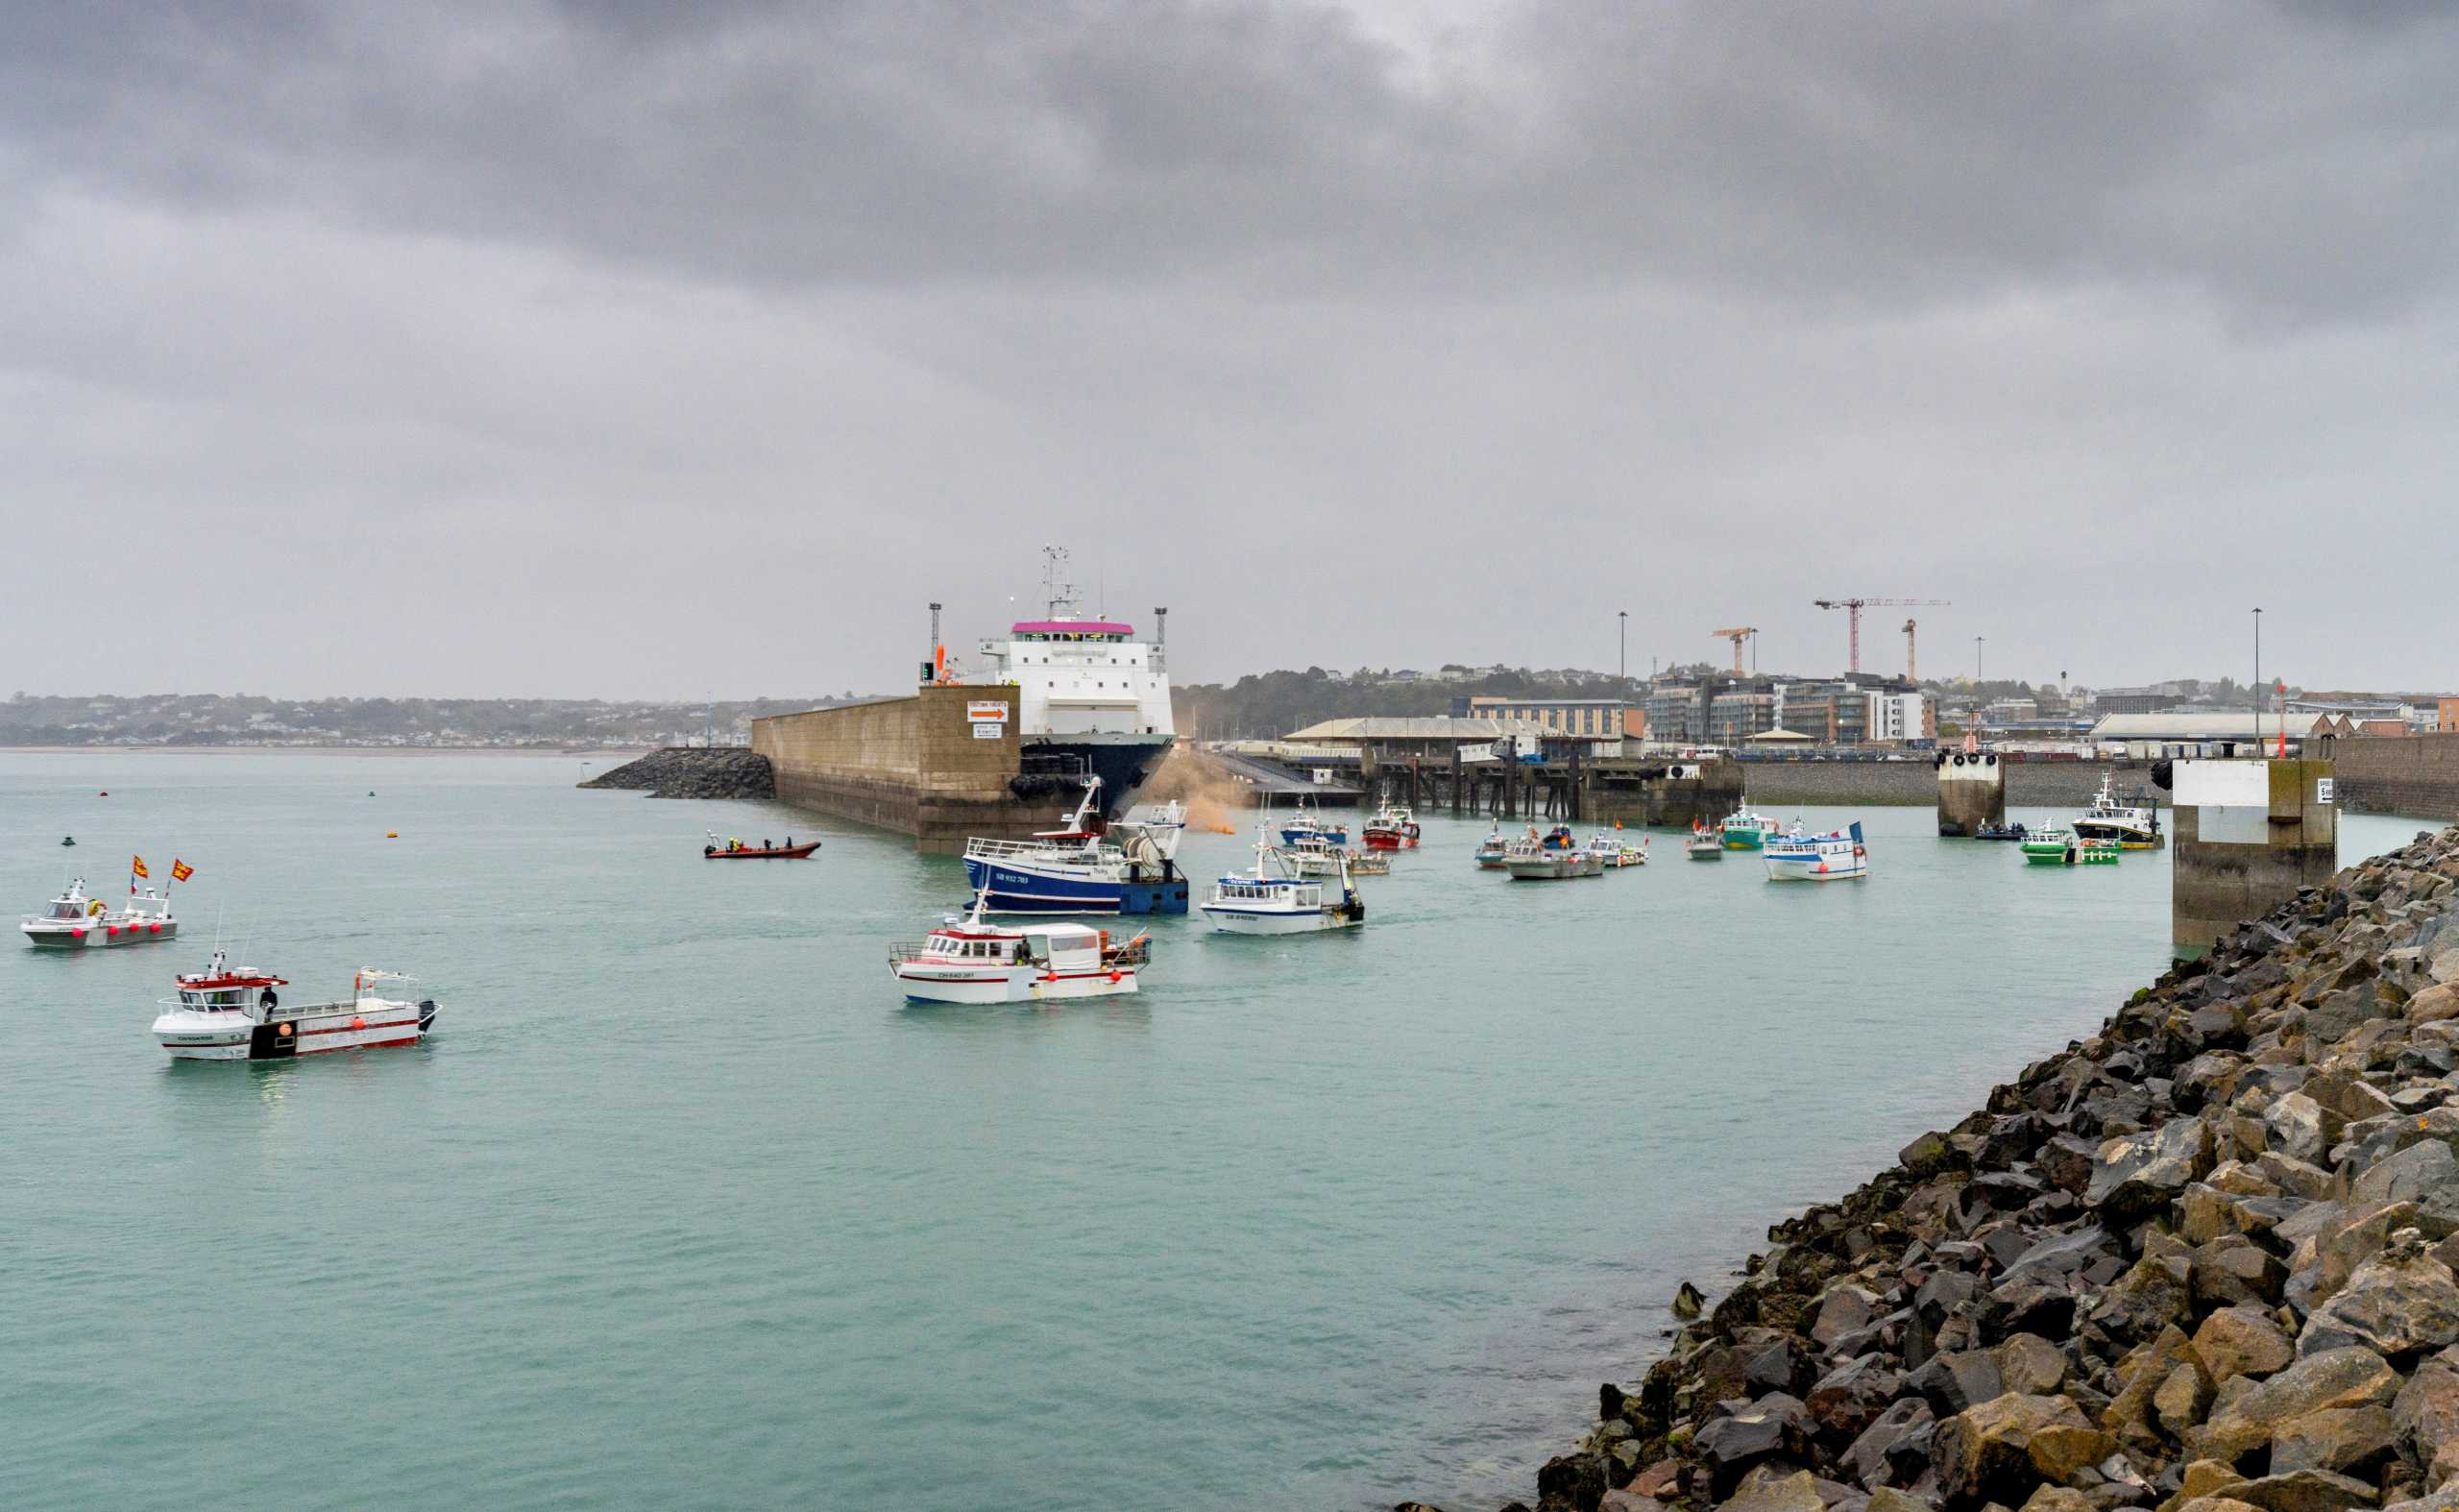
x: 1392, y: 829
x: 234, y: 1013
x: 968, y: 961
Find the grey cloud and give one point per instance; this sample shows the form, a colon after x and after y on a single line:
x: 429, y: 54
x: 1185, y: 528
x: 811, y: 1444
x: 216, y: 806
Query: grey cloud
x: 2290, y: 164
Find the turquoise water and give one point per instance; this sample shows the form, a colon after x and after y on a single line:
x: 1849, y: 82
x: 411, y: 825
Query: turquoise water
x: 682, y: 1206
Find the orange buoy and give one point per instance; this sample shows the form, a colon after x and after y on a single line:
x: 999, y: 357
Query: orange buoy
x: 358, y: 1023
x: 392, y: 834
x: 285, y: 1029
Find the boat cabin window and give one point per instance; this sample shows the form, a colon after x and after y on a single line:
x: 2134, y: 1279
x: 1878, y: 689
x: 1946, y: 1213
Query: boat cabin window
x: 218, y: 997
x: 64, y: 911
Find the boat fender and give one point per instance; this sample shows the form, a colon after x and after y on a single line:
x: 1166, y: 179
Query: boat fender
x: 1991, y: 758
x: 1115, y: 978
x: 358, y: 1023
x: 285, y: 1031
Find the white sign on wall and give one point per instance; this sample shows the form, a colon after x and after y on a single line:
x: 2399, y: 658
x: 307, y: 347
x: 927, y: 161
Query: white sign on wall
x: 2210, y: 784
x: 2323, y: 787
x: 979, y: 709
x: 991, y: 730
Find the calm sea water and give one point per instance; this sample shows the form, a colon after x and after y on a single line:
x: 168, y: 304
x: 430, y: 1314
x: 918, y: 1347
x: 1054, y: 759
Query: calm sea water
x: 682, y: 1206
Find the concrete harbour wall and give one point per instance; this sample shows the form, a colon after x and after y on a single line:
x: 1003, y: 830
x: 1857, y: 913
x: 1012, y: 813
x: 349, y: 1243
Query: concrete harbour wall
x: 2415, y: 774
x: 1915, y: 783
x: 914, y: 764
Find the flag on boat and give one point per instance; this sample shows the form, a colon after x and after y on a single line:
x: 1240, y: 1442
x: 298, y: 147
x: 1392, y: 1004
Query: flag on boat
x: 1857, y: 832
x: 136, y: 866
x: 180, y: 871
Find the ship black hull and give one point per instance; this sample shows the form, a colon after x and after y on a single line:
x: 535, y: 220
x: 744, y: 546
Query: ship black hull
x: 1058, y: 765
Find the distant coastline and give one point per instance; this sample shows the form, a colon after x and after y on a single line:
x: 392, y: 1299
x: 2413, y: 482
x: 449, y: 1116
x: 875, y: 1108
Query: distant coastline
x: 336, y: 749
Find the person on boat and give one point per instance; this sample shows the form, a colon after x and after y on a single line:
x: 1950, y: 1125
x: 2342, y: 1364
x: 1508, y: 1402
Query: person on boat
x: 271, y: 1002
x: 764, y: 843
x: 708, y: 850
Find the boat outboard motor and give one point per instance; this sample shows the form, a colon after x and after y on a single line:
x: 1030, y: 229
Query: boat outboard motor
x: 426, y: 1013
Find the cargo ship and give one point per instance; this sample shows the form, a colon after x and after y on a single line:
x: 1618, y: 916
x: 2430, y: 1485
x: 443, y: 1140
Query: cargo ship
x: 979, y: 752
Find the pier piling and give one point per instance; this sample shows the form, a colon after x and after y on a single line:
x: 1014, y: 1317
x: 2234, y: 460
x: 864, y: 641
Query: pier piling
x: 2249, y: 835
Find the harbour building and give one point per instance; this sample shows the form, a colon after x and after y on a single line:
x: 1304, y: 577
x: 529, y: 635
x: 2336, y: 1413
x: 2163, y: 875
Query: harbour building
x: 1589, y: 718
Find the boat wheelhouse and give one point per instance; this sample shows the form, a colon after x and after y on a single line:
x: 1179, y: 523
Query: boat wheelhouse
x: 968, y: 960
x: 75, y: 921
x: 1795, y: 856
x: 227, y: 1012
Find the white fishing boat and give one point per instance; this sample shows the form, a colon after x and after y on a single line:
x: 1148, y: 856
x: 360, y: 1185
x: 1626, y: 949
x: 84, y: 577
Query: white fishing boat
x: 1273, y: 899
x: 1795, y: 856
x: 1704, y: 844
x: 1536, y: 860
x: 1615, y: 852
x: 229, y: 1012
x: 1490, y: 850
x: 74, y: 921
x: 2130, y: 826
x: 968, y: 961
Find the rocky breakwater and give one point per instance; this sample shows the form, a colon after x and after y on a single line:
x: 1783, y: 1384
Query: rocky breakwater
x: 719, y: 771
x: 2202, y: 1261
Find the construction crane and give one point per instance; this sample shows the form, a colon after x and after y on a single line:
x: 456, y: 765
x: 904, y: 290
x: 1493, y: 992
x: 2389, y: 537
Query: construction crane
x: 1853, y: 608
x: 1737, y: 636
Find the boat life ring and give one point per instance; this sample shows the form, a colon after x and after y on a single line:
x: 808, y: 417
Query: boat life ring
x: 94, y: 909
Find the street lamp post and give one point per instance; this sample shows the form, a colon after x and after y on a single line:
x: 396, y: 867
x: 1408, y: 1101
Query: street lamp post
x: 2258, y: 679
x: 1975, y: 665
x: 1623, y: 665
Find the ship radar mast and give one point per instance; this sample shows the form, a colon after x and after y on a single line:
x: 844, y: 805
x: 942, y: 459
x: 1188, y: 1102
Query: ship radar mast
x: 1058, y: 595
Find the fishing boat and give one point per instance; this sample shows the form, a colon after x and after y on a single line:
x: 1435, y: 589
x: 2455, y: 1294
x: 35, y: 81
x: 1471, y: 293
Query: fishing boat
x: 229, y: 1012
x: 969, y: 960
x: 1615, y: 852
x: 1796, y: 856
x: 2059, y: 847
x: 736, y: 851
x: 1537, y: 860
x: 1704, y: 842
x: 1490, y: 850
x: 1313, y: 856
x: 1744, y: 830
x: 2130, y: 826
x: 1086, y: 865
x: 1559, y: 837
x: 2014, y: 832
x: 74, y: 921
x: 1308, y: 821
x: 1393, y: 828
x: 1271, y: 900
x: 1370, y: 862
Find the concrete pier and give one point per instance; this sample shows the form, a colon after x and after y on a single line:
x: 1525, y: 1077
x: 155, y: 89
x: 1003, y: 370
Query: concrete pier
x: 922, y: 764
x: 2250, y: 834
x: 1972, y: 793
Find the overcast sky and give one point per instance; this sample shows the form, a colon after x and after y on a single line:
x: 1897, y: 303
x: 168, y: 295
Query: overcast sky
x: 648, y: 349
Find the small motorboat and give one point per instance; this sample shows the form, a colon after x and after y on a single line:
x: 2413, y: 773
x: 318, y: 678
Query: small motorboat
x: 2013, y: 832
x: 229, y: 1012
x: 1309, y: 822
x: 968, y: 960
x: 1704, y: 843
x: 1794, y: 856
x: 736, y: 851
x: 1490, y: 850
x: 68, y: 839
x: 74, y: 921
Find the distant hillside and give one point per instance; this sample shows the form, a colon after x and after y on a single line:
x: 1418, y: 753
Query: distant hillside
x: 246, y: 720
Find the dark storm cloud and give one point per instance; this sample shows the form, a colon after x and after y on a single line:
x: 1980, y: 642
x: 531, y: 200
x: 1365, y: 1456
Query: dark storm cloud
x: 2291, y: 163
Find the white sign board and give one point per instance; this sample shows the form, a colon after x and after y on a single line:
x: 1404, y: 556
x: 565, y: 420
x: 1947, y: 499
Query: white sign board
x: 979, y: 709
x: 2324, y: 788
x: 2224, y: 784
x: 991, y: 730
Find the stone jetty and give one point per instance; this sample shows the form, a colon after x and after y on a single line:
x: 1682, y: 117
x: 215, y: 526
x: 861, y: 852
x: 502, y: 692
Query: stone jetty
x: 2202, y: 1261
x: 694, y: 772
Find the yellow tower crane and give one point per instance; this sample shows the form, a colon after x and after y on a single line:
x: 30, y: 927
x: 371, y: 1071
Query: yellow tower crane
x: 1737, y: 636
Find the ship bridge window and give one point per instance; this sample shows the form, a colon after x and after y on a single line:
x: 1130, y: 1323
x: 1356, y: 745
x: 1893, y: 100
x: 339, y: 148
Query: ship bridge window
x: 63, y: 911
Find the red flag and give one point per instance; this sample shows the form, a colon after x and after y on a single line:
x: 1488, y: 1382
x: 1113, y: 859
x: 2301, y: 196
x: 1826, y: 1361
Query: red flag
x: 136, y: 866
x: 180, y: 871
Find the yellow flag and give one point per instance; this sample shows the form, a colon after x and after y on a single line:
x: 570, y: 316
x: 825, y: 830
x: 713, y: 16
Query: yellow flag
x: 136, y: 866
